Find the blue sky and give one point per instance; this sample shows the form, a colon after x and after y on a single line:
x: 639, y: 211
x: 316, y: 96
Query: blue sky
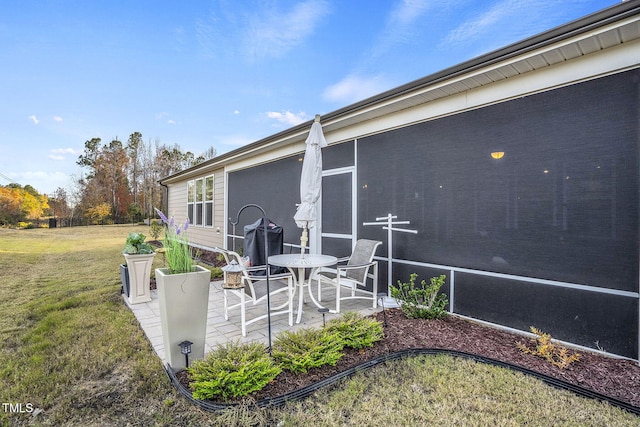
x: 222, y: 73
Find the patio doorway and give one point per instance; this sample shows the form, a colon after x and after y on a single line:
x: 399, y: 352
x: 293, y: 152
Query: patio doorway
x: 338, y: 212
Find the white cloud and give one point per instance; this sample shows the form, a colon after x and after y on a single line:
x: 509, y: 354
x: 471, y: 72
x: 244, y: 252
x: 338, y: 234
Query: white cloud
x: 34, y: 119
x: 58, y: 154
x: 273, y: 34
x: 64, y: 151
x: 260, y: 28
x: 208, y: 36
x: 355, y: 88
x: 287, y: 117
x: 507, y: 21
x: 470, y: 29
x: 164, y: 116
x: 400, y: 25
x: 409, y: 11
x: 236, y: 112
x: 57, y: 119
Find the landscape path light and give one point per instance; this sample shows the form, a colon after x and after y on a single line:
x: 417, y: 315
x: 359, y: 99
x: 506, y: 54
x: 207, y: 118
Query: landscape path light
x: 185, y: 348
x: 323, y: 310
x: 382, y: 296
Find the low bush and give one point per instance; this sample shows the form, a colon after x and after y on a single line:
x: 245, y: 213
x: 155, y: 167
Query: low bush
x: 155, y: 229
x: 232, y: 370
x: 542, y: 346
x: 355, y: 330
x: 421, y: 302
x: 309, y: 348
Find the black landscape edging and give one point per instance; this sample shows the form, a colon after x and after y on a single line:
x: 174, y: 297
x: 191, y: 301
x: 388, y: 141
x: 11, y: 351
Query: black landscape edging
x: 304, y: 392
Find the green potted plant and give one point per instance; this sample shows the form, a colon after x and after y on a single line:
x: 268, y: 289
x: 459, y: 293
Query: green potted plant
x: 139, y: 257
x: 183, y: 296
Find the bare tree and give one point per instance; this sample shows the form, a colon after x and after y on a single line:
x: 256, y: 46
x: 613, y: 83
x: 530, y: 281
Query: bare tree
x: 134, y: 145
x: 126, y: 177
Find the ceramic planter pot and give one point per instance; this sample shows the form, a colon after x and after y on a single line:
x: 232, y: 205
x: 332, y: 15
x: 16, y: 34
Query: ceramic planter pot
x: 139, y: 266
x: 184, y: 301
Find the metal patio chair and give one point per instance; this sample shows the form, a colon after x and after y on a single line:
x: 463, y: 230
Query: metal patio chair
x: 254, y: 291
x: 353, y: 275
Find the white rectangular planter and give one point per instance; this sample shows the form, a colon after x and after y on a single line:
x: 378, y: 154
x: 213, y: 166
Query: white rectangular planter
x: 139, y: 266
x: 184, y: 301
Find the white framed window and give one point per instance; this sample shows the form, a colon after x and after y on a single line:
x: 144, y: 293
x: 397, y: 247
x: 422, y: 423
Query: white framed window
x: 208, y: 201
x: 198, y: 206
x: 200, y: 201
x: 191, y: 198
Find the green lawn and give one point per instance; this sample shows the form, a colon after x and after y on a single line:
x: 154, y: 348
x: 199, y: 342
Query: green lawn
x: 74, y: 353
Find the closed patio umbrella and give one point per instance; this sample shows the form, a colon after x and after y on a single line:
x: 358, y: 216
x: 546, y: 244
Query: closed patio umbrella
x: 310, y: 181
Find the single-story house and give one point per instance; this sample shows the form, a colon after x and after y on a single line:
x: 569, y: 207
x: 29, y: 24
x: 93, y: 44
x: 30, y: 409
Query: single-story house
x: 519, y: 169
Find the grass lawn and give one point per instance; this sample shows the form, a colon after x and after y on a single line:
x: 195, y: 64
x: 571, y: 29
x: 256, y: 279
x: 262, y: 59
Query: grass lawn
x: 73, y: 354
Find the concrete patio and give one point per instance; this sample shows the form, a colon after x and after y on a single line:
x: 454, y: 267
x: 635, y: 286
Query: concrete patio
x: 220, y: 331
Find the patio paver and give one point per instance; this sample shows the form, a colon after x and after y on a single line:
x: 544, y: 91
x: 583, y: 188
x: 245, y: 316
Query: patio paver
x: 220, y: 331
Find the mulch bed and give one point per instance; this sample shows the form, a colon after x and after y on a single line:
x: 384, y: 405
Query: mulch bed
x: 613, y: 377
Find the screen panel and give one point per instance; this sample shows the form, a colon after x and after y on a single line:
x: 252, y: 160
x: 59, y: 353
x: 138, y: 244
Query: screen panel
x: 338, y: 156
x: 337, y: 206
x: 572, y: 315
x: 337, y: 247
x: 275, y: 187
x: 561, y: 203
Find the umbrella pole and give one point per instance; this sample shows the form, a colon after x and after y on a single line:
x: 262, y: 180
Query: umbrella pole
x: 303, y: 240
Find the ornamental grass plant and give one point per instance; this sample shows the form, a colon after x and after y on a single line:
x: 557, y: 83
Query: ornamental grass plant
x: 176, y: 245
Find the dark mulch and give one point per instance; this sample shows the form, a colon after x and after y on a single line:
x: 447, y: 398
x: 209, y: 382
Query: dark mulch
x: 211, y: 258
x: 616, y: 378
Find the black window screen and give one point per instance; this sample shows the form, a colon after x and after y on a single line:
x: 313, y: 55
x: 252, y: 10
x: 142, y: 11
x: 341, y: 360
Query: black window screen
x: 275, y: 186
x: 560, y: 202
x: 338, y: 156
x: 337, y: 211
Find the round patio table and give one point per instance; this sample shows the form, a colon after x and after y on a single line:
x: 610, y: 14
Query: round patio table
x: 302, y: 263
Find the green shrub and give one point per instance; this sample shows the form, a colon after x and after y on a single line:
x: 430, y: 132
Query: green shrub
x: 421, y: 302
x: 216, y: 272
x: 232, y: 370
x: 355, y: 330
x: 155, y: 229
x: 307, y: 348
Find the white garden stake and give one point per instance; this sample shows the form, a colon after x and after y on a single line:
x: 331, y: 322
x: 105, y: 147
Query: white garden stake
x: 388, y: 223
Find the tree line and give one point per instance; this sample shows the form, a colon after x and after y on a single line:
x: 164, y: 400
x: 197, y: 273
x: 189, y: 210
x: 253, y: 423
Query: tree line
x: 19, y: 204
x: 118, y: 183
